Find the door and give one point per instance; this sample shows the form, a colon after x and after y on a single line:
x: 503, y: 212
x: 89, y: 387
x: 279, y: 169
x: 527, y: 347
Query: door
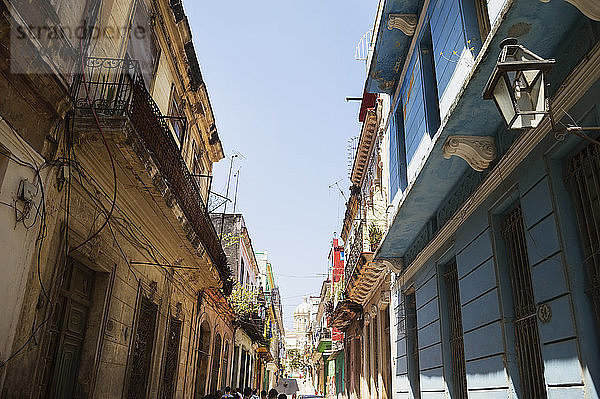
x: 67, y: 332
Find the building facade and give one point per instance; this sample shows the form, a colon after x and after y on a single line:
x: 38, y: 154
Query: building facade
x: 491, y: 230
x: 250, y: 349
x: 113, y: 274
x: 274, y: 328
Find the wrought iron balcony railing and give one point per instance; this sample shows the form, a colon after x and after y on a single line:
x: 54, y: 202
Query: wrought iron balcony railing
x: 357, y: 247
x: 115, y: 88
x: 367, y: 235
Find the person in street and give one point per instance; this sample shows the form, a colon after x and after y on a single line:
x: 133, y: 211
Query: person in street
x: 254, y: 395
x: 239, y: 393
x: 263, y: 394
x: 273, y: 393
x: 282, y: 396
x: 227, y: 394
x: 247, y: 393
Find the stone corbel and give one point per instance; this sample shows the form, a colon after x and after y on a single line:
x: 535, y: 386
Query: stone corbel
x: 407, y: 23
x: 385, y: 298
x: 478, y: 151
x: 373, y: 311
x: 395, y: 265
x: 589, y: 8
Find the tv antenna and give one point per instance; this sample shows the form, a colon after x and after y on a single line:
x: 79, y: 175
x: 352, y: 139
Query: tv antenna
x: 337, y: 184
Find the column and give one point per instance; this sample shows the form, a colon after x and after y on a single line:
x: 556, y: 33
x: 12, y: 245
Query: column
x: 364, y: 380
x: 383, y: 364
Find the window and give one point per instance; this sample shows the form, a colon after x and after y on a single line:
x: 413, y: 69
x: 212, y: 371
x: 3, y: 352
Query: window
x: 143, y: 346
x: 457, y: 353
x: 413, y: 107
x: 177, y: 117
x: 142, y: 45
x: 527, y: 341
x: 202, y: 360
x: 225, y: 372
x: 242, y: 272
x: 432, y: 109
x: 583, y: 175
x: 398, y: 178
x: 234, y: 370
x: 376, y: 351
x: 169, y: 381
x: 412, y: 345
x: 216, y: 364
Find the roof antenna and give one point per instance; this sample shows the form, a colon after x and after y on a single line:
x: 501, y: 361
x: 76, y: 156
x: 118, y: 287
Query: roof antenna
x: 336, y: 184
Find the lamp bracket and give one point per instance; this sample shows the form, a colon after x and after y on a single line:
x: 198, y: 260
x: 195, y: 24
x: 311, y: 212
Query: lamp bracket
x: 478, y: 151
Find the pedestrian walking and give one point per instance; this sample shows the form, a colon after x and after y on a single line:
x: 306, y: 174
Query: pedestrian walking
x: 282, y: 396
x: 254, y: 395
x: 227, y: 394
x: 247, y: 393
x: 273, y: 393
x: 263, y: 394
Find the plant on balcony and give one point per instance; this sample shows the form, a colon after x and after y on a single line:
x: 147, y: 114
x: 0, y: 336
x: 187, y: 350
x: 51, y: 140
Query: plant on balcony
x: 243, y: 301
x: 375, y: 236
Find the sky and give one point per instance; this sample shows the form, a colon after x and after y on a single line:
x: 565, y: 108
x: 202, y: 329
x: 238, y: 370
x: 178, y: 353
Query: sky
x: 278, y: 73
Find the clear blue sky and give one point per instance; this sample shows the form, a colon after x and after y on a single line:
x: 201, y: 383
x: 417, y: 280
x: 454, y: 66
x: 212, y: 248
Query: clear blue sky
x: 277, y: 72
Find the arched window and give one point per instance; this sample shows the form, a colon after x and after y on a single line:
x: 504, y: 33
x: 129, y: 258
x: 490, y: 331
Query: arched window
x: 203, y: 349
x: 216, y: 363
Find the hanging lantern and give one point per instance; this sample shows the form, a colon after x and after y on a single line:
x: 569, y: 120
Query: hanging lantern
x: 518, y: 85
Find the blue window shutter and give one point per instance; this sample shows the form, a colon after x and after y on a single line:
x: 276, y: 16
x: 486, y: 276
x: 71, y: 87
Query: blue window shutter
x: 394, y: 185
x: 402, y: 163
x: 398, y: 165
x: 430, y: 91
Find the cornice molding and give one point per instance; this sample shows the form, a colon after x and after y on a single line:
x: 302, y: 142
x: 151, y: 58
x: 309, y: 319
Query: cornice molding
x: 478, y: 151
x: 407, y: 23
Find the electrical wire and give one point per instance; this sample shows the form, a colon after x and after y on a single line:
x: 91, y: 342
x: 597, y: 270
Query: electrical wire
x: 98, y: 125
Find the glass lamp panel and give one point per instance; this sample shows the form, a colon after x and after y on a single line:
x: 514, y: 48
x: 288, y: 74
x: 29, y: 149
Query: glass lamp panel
x: 538, y: 95
x: 530, y: 75
x: 503, y: 99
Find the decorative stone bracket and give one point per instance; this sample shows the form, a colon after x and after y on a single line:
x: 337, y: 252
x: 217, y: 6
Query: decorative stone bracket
x: 589, y: 8
x: 385, y: 298
x: 478, y: 151
x: 407, y: 23
x: 395, y: 265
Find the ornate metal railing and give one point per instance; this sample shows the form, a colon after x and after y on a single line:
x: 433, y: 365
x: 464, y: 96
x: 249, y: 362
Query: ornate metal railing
x: 107, y: 85
x: 116, y: 88
x: 356, y: 249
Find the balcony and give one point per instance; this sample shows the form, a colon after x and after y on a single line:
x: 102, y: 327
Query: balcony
x: 360, y: 272
x: 112, y: 93
x: 323, y: 339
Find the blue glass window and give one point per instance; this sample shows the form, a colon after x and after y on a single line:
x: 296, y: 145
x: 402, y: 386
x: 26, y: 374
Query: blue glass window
x: 454, y: 29
x: 398, y: 178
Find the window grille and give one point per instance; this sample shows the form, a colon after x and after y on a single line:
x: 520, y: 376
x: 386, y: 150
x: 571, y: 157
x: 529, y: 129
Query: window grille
x: 584, y: 177
x: 412, y: 345
x: 216, y: 363
x: 357, y: 364
x: 376, y: 351
x: 143, y: 344
x: 459, y: 374
x: 171, y: 360
x: 529, y: 356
